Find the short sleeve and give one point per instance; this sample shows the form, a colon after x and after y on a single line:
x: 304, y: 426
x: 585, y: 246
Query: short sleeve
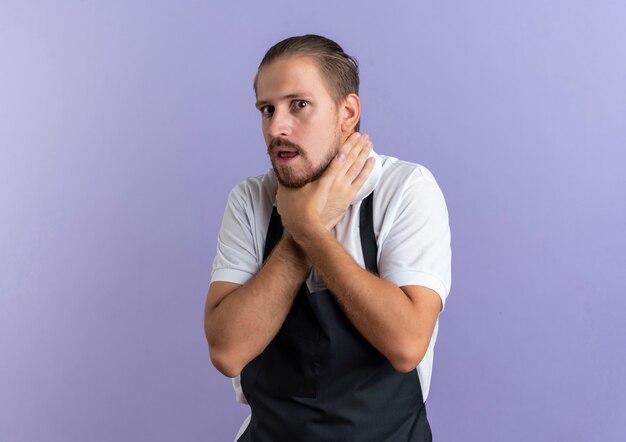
x: 416, y: 249
x: 236, y: 258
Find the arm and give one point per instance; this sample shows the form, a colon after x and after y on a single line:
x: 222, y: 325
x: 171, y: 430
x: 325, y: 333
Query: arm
x: 241, y: 320
x: 398, y: 322
x: 398, y: 317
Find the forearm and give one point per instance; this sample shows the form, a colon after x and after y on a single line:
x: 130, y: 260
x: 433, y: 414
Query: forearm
x: 381, y: 311
x: 244, y: 322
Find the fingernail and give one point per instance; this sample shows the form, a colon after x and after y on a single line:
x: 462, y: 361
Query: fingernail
x: 341, y: 157
x: 357, y: 135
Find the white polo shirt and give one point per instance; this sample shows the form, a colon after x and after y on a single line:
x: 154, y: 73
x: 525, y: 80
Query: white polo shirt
x: 410, y: 224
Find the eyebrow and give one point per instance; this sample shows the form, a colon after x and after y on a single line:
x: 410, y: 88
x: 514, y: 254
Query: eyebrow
x: 260, y: 103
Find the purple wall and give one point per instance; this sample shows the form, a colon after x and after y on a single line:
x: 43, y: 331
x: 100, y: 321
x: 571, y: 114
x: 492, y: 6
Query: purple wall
x: 123, y: 125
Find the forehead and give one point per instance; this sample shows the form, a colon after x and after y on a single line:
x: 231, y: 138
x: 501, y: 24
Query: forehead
x: 290, y: 76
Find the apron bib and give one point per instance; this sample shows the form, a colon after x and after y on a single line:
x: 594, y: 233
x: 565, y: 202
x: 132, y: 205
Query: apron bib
x: 320, y: 380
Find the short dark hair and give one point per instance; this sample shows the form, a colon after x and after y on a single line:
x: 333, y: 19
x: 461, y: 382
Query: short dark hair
x: 339, y: 70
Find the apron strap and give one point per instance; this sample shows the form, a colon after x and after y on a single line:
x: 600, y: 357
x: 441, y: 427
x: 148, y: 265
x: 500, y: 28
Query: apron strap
x: 274, y: 233
x: 368, y: 237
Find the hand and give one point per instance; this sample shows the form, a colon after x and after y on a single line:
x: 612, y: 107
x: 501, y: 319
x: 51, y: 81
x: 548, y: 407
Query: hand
x: 322, y: 203
x: 345, y: 176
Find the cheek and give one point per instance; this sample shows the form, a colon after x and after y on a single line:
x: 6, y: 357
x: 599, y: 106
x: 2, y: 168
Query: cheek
x: 264, y: 128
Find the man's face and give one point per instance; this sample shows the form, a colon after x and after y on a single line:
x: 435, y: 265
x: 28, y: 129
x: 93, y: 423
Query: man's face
x: 300, y: 120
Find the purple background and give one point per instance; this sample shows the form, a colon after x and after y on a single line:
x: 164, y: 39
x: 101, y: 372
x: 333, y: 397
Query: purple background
x: 123, y: 125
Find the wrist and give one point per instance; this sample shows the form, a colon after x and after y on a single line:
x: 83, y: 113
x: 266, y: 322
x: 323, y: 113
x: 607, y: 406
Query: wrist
x: 295, y: 252
x: 313, y: 234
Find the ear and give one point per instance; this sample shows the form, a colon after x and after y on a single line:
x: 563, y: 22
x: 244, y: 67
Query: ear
x: 349, y: 113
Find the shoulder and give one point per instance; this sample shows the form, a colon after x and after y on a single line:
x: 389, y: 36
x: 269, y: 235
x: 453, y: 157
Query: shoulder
x: 414, y: 232
x: 251, y: 202
x: 254, y: 190
x: 400, y: 176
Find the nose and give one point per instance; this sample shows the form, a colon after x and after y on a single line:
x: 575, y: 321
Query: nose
x: 279, y: 124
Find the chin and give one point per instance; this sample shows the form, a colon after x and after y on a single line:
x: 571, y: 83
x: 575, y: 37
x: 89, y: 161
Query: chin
x: 287, y: 179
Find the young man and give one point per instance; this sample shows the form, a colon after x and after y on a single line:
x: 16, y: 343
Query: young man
x: 331, y: 268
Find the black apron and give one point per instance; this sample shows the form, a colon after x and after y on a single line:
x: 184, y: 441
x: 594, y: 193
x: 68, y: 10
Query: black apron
x: 320, y: 380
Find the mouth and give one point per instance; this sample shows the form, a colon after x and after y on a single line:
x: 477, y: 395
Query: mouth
x: 286, y: 154
x: 283, y: 157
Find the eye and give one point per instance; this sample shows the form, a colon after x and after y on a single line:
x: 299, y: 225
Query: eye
x: 267, y: 110
x: 300, y: 104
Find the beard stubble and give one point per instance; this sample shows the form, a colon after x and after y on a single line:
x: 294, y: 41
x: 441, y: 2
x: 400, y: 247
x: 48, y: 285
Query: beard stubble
x: 286, y: 175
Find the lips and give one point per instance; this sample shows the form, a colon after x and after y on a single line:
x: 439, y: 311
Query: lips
x: 285, y: 154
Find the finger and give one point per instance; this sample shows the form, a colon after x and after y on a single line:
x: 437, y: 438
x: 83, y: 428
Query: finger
x: 351, y: 148
x: 359, y: 162
x: 364, y: 173
x: 344, y: 158
x: 351, y: 142
x: 356, y: 148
